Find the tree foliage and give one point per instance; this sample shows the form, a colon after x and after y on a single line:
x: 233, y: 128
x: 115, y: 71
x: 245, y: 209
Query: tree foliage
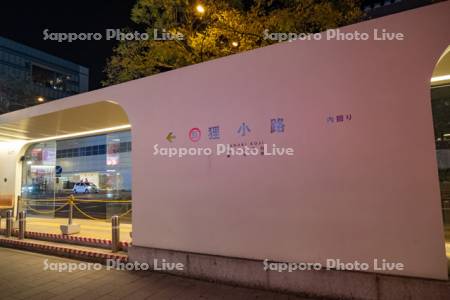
x: 15, y: 93
x: 225, y: 27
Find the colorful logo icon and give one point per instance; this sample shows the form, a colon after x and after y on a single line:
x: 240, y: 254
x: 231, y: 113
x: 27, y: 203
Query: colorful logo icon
x: 195, y: 134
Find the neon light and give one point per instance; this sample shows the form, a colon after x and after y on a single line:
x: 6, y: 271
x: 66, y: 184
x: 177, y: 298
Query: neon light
x: 2, y: 134
x: 83, y: 133
x: 440, y: 78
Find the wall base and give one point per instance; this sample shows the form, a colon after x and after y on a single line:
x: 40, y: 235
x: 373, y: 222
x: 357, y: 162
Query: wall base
x: 328, y: 284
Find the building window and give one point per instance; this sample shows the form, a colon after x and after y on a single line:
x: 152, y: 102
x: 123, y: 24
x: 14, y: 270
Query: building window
x: 51, y: 79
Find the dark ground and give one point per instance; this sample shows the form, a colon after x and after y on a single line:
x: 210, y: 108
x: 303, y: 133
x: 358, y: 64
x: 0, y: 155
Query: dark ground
x: 22, y: 276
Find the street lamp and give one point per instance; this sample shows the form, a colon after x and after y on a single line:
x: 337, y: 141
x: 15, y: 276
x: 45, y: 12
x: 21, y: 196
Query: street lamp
x: 200, y: 8
x: 40, y: 99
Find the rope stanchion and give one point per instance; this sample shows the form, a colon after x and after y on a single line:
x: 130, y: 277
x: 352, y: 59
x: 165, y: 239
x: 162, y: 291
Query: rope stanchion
x: 45, y: 212
x: 103, y: 201
x: 83, y: 213
x: 79, y: 200
x: 44, y: 200
x: 93, y: 218
x: 72, y: 201
x: 125, y: 213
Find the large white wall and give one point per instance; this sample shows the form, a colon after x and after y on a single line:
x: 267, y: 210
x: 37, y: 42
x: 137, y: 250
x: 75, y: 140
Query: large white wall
x: 359, y: 190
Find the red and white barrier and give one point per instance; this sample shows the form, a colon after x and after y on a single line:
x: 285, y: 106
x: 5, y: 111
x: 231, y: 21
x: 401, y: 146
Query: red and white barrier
x: 69, y: 239
x: 90, y: 255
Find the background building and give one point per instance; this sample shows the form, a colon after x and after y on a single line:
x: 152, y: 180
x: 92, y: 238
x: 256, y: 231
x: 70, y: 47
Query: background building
x: 379, y: 8
x: 29, y: 76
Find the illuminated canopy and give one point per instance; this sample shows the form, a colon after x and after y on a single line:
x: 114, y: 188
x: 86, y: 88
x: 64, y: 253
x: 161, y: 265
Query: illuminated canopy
x: 76, y: 121
x: 441, y: 74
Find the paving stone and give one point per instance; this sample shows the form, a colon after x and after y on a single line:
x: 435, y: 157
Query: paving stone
x: 23, y: 277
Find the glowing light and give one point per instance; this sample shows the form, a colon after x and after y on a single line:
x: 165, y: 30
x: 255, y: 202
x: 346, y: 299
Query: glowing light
x: 42, y: 167
x: 440, y: 78
x: 83, y: 133
x: 235, y: 44
x: 40, y: 99
x: 200, y: 8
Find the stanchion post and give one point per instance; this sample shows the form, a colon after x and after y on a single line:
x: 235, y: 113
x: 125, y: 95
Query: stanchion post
x: 9, y: 223
x: 71, y: 200
x: 115, y: 225
x: 22, y: 224
x: 70, y: 228
x: 18, y: 207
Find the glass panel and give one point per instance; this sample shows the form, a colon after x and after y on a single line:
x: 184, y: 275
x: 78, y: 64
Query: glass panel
x: 440, y: 97
x: 39, y: 183
x: 92, y: 168
x: 118, y: 173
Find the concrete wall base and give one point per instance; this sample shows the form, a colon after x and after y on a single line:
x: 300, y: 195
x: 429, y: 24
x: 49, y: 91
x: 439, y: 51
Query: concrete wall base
x: 323, y: 284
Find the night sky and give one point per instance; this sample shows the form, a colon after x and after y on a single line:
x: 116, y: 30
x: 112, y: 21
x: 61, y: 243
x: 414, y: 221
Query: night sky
x: 25, y: 21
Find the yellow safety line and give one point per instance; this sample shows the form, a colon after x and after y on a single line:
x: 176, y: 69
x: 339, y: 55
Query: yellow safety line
x: 104, y: 201
x: 125, y: 213
x: 46, y: 212
x: 72, y: 201
x: 92, y: 218
x: 47, y: 200
x: 81, y: 200
x: 83, y: 213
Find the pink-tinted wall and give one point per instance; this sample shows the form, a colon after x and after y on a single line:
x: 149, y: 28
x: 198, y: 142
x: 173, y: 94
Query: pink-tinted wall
x: 360, y: 189
x: 356, y: 190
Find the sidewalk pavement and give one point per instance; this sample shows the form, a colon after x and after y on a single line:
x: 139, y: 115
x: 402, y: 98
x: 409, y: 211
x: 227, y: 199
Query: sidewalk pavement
x: 22, y: 276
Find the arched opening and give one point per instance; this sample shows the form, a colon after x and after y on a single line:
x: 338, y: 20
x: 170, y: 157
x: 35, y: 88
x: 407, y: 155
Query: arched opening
x: 84, y: 151
x: 440, y: 99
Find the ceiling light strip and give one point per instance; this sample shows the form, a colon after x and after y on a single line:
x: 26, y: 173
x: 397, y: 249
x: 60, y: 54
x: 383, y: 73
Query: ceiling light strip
x: 83, y: 133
